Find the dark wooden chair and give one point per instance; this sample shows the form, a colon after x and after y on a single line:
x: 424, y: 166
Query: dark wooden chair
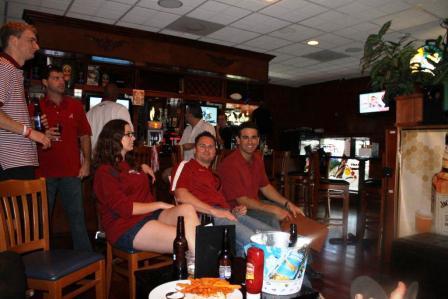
x: 24, y: 228
x: 125, y: 263
x: 371, y: 212
x: 279, y: 170
x: 328, y: 189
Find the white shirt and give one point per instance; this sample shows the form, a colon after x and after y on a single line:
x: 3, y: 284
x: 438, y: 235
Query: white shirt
x: 190, y: 134
x: 101, y: 114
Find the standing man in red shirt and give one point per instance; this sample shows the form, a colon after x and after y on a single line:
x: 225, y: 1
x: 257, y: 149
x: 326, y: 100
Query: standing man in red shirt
x: 61, y: 164
x: 243, y: 176
x: 18, y: 156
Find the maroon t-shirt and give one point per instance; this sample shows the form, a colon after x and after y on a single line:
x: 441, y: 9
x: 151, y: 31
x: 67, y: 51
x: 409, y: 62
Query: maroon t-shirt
x: 116, y: 192
x: 202, y: 183
x: 240, y: 177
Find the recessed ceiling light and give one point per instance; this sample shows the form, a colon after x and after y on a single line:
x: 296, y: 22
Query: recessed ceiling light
x: 170, y: 3
x: 313, y: 42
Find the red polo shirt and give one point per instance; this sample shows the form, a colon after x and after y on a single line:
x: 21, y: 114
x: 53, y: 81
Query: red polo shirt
x: 117, y: 190
x: 240, y: 177
x: 63, y: 158
x: 202, y: 183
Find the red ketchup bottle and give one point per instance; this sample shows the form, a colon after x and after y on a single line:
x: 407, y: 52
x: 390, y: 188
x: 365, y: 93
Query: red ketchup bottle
x: 254, y: 272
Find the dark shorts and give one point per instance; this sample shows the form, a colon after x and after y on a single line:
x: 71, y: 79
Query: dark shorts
x: 126, y: 240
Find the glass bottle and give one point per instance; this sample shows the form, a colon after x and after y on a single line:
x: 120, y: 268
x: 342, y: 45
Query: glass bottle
x: 292, y: 234
x: 439, y: 203
x: 180, y: 247
x: 225, y: 257
x: 37, y: 116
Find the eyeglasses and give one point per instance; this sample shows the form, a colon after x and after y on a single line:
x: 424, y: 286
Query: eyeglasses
x: 129, y: 134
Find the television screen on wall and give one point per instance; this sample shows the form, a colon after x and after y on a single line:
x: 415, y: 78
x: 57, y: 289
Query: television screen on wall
x: 372, y: 102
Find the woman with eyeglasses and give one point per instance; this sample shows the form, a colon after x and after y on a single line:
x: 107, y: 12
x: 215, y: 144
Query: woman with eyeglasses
x: 130, y: 216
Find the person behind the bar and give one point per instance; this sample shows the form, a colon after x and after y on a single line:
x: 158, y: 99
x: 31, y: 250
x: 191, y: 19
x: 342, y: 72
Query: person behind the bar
x: 106, y: 111
x: 224, y: 132
x: 243, y: 176
x: 61, y: 165
x: 194, y: 183
x: 18, y: 156
x: 193, y: 116
x: 130, y: 215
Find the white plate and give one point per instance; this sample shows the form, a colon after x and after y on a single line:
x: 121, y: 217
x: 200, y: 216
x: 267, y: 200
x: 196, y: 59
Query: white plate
x: 160, y: 291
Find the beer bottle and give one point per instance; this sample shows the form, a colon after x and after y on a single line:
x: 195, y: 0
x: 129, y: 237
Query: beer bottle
x: 37, y: 116
x: 180, y: 247
x: 225, y: 257
x: 292, y: 234
x: 439, y: 203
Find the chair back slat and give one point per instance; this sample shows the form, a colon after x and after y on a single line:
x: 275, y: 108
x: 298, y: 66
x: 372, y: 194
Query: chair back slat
x: 26, y: 220
x: 24, y: 215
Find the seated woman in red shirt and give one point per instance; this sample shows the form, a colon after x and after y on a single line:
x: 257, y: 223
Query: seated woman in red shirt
x: 130, y: 216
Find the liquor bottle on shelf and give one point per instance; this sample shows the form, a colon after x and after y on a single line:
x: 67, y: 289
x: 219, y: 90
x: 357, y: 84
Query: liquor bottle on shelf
x: 439, y: 203
x: 180, y: 247
x: 225, y: 257
x: 37, y: 116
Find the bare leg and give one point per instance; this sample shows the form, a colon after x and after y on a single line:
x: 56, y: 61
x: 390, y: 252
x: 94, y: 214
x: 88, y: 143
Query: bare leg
x: 155, y: 236
x: 169, y: 217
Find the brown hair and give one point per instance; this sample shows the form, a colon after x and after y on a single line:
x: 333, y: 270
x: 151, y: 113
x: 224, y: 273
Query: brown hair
x: 14, y: 29
x: 108, y: 147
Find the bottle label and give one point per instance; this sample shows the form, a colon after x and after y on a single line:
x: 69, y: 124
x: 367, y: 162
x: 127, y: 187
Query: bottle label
x: 440, y: 212
x: 250, y: 271
x: 225, y: 272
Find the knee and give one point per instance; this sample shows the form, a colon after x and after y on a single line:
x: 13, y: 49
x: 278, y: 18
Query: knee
x: 187, y: 210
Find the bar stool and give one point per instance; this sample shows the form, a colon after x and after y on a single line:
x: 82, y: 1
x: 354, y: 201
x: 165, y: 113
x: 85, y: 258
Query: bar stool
x: 279, y: 170
x: 371, y: 210
x: 328, y: 189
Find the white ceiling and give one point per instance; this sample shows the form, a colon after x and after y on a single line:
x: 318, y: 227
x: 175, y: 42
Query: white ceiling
x: 276, y: 27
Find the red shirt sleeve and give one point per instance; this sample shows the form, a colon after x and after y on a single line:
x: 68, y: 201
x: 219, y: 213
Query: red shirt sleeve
x: 109, y: 191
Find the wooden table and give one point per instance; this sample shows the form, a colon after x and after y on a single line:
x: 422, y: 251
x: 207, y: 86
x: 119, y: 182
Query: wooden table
x: 147, y: 280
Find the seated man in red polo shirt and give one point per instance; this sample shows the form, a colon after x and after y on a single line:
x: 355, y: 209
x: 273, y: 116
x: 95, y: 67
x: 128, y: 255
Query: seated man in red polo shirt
x: 243, y: 176
x: 193, y: 182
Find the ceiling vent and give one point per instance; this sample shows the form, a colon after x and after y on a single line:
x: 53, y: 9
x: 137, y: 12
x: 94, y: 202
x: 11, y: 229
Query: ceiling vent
x: 194, y: 26
x: 325, y: 56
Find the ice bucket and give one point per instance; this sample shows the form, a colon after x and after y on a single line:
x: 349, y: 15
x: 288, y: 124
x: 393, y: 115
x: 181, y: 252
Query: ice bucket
x: 284, y: 267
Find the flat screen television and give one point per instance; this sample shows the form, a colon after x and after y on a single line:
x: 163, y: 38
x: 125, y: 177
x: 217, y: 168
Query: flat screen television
x: 92, y: 101
x: 124, y: 102
x: 372, y: 102
x: 314, y: 143
x: 337, y: 147
x: 349, y: 171
x: 210, y: 114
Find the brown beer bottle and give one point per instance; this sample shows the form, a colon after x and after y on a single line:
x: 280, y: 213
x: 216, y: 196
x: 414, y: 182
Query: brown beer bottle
x: 292, y: 234
x: 180, y: 247
x: 225, y: 257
